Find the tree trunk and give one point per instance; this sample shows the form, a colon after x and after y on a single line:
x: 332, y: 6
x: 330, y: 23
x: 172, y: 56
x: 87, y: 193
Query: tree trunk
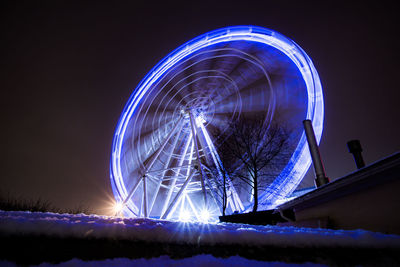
x: 224, y: 197
x: 255, y: 187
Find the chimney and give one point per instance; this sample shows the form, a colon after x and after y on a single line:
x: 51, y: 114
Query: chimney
x: 354, y: 147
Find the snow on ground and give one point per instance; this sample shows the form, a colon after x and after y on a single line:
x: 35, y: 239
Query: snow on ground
x: 165, y: 261
x: 138, y: 229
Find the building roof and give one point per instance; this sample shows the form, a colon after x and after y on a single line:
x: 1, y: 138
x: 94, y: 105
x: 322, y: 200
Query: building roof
x: 380, y: 172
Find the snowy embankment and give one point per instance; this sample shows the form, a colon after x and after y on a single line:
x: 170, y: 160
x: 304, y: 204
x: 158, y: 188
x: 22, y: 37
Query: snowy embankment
x: 165, y: 261
x: 17, y: 223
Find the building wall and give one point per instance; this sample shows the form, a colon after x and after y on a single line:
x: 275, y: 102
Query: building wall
x: 375, y: 209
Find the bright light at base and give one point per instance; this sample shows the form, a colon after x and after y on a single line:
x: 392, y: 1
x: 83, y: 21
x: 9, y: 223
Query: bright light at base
x: 118, y: 207
x: 184, y: 216
x: 204, y: 216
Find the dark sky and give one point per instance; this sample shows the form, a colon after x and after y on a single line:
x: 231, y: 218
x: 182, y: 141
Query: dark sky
x: 68, y: 68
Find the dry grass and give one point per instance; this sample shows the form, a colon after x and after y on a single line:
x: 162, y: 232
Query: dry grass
x: 9, y: 202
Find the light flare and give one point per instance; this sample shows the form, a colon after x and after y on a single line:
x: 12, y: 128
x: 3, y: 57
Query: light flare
x: 118, y: 207
x: 184, y: 216
x: 205, y: 216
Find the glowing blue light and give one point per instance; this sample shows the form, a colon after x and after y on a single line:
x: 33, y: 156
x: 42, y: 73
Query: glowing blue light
x: 205, y: 216
x: 300, y: 160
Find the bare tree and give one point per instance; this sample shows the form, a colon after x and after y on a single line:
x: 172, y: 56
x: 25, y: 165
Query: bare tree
x: 221, y: 171
x: 254, y: 153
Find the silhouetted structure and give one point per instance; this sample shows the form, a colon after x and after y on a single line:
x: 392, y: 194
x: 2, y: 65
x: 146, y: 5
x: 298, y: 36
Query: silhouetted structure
x: 355, y: 148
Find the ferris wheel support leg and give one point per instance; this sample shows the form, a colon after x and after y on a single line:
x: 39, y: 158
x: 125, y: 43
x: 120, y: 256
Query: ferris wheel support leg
x: 194, y: 135
x: 140, y: 207
x: 172, y: 186
x: 145, y: 196
x: 165, y: 171
x: 216, y: 199
x: 217, y: 161
x: 178, y: 195
x: 203, y: 144
x: 132, y: 191
x: 200, y: 129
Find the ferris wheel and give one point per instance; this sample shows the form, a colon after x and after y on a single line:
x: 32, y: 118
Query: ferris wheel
x: 164, y: 146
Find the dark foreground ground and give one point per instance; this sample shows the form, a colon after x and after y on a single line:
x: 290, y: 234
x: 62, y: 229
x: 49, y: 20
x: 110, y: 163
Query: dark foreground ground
x: 26, y: 250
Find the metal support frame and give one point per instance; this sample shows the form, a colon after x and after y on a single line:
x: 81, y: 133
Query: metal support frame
x: 178, y: 195
x: 173, y: 181
x: 132, y: 191
x: 167, y: 169
x: 161, y: 179
x: 153, y: 160
x: 203, y: 144
x: 144, y: 196
x: 193, y: 208
x: 194, y: 136
x: 235, y: 200
x: 150, y: 165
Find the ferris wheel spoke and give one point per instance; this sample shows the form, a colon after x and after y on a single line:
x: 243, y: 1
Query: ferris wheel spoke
x: 166, y: 164
x: 172, y: 206
x: 165, y: 98
x: 252, y: 89
x: 155, y: 105
x: 236, y: 61
x: 204, y: 60
x: 152, y: 160
x: 146, y: 124
x: 220, y: 122
x: 255, y: 108
x: 190, y: 77
x: 177, y: 174
x: 165, y: 106
x: 235, y: 67
x: 154, y: 157
x: 148, y: 133
x: 177, y: 91
x: 197, y: 65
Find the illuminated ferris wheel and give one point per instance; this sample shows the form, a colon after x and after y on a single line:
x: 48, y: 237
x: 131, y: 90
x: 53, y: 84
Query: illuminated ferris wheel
x: 163, y: 148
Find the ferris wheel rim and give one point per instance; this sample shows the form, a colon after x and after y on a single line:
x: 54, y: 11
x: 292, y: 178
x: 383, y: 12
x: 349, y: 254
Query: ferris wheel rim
x: 315, y: 110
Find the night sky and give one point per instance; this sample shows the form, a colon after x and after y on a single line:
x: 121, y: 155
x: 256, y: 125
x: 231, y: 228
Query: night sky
x: 69, y: 67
